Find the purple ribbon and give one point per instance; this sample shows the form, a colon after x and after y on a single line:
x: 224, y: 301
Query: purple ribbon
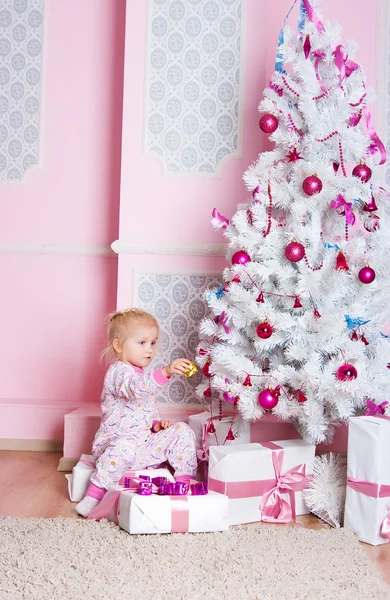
x: 219, y: 221
x: 375, y: 409
x: 341, y: 202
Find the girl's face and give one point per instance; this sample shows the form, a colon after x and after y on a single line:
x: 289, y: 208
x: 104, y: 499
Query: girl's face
x: 140, y: 346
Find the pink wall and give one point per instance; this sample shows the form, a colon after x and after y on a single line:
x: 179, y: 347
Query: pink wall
x: 52, y: 307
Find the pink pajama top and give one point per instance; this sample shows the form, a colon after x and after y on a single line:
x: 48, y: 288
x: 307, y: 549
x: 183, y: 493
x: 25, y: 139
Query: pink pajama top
x: 128, y: 404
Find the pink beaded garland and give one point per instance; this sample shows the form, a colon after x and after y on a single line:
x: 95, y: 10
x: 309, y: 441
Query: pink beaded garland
x: 312, y: 185
x: 294, y: 251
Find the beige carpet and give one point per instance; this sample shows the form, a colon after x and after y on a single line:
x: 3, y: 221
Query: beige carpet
x: 56, y: 559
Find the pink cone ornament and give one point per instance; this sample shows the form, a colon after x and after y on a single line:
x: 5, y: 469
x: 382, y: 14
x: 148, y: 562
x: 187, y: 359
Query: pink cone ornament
x: 366, y: 274
x: 341, y: 263
x: 264, y: 330
x: 230, y: 435
x: 371, y: 206
x: 307, y: 46
x: 346, y: 372
x: 268, y: 123
x: 301, y: 397
x: 297, y: 302
x: 240, y: 258
x: 363, y: 172
x: 312, y: 185
x: 267, y: 399
x: 294, y: 251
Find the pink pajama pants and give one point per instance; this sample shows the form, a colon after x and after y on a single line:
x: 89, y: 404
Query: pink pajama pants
x: 175, y: 445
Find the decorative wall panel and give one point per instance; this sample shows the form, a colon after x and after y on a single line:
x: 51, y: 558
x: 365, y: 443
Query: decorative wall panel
x: 191, y: 121
x: 21, y: 32
x: 177, y: 301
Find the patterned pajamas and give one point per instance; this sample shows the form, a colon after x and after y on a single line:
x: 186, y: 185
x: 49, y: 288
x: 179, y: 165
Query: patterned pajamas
x: 125, y: 439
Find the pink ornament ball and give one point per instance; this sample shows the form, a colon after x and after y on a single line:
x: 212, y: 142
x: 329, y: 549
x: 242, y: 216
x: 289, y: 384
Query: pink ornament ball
x: 264, y: 330
x: 228, y: 397
x: 268, y: 123
x: 294, y: 251
x: 267, y: 399
x: 363, y: 172
x: 346, y: 372
x: 240, y: 258
x: 312, y: 185
x: 366, y: 274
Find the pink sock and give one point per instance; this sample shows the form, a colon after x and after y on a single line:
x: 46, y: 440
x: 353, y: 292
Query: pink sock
x: 95, y: 492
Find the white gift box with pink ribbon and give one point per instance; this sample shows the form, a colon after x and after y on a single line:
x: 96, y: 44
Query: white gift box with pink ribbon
x: 137, y: 513
x: 264, y: 482
x: 78, y: 480
x: 368, y: 479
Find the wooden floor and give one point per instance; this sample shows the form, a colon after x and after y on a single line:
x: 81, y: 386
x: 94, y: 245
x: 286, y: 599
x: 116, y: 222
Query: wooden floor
x: 31, y: 486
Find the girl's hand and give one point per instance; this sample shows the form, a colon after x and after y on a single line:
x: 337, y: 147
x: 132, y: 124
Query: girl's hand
x: 164, y: 424
x: 178, y: 366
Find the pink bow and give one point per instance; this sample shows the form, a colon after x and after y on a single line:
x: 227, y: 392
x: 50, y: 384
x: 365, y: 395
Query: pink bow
x: 350, y: 217
x: 274, y: 508
x: 375, y: 409
x: 219, y: 221
x: 343, y: 63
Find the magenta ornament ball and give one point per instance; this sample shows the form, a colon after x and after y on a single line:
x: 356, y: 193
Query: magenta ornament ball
x: 268, y: 123
x: 363, y: 172
x: 264, y: 330
x: 366, y: 275
x: 346, y: 372
x: 267, y: 399
x: 228, y: 397
x: 312, y: 185
x: 240, y: 258
x: 294, y: 251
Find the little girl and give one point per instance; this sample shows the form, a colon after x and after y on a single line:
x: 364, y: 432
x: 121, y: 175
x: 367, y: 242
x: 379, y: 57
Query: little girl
x: 131, y: 434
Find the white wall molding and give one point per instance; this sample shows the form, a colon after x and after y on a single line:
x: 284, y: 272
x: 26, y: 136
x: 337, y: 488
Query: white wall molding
x: 62, y: 249
x: 160, y: 248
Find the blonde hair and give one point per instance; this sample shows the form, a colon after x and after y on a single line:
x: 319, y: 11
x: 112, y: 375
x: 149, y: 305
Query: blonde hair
x: 119, y: 324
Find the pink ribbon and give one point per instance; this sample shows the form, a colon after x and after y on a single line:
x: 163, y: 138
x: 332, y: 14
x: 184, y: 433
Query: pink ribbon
x: 374, y: 490
x: 320, y: 55
x: 343, y: 63
x: 224, y: 318
x: 376, y: 144
x: 273, y: 507
x: 313, y: 15
x: 341, y: 202
x: 219, y: 221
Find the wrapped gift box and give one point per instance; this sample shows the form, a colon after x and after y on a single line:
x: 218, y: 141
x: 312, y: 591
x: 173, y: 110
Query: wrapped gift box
x: 156, y: 514
x: 368, y: 478
x: 138, y: 513
x: 249, y: 474
x: 78, y: 480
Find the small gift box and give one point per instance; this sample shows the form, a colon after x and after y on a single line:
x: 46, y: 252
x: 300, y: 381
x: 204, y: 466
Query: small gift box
x: 78, y: 480
x: 264, y: 482
x: 368, y: 479
x: 159, y: 506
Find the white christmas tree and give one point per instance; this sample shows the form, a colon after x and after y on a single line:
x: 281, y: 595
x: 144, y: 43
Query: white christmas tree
x: 300, y: 314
